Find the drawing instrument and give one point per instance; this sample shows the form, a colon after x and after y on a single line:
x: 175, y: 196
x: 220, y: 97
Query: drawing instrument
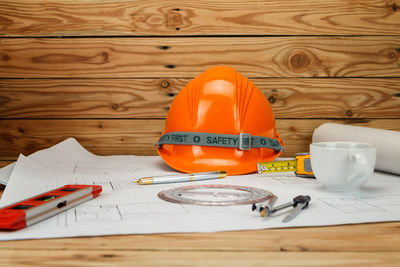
x: 187, y: 177
x: 216, y: 195
x: 298, y: 203
x: 32, y: 210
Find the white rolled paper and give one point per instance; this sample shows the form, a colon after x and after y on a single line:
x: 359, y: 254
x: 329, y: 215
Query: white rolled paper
x: 387, y: 142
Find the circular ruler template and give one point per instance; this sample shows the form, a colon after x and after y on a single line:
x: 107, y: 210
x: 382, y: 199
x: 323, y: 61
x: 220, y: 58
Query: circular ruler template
x: 215, y: 195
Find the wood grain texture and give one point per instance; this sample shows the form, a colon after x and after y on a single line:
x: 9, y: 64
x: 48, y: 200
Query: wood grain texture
x: 124, y: 136
x: 151, y: 98
x: 198, y: 258
x: 110, y: 78
x: 372, y: 237
x: 4, y: 163
x: 205, y: 17
x: 188, y: 57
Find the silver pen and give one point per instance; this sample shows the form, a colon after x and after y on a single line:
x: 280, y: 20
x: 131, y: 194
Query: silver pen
x: 175, y: 178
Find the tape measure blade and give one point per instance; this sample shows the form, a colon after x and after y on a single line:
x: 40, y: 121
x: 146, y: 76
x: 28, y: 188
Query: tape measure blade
x: 277, y: 166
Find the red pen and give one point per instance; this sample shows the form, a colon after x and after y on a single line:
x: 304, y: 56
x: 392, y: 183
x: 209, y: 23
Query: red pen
x: 32, y: 210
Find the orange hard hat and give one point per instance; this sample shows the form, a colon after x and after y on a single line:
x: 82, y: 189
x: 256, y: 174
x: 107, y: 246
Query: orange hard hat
x: 220, y: 121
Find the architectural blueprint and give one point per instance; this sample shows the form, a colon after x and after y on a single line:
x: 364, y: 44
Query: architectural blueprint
x: 125, y: 207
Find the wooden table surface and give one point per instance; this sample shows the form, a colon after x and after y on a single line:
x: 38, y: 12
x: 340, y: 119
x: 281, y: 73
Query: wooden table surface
x: 372, y: 244
x: 106, y: 72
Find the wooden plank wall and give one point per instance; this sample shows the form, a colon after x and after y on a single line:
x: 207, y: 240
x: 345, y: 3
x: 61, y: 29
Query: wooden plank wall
x: 105, y: 72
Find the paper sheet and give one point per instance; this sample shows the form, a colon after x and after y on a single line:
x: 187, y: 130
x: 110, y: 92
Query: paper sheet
x: 128, y: 208
x: 70, y: 157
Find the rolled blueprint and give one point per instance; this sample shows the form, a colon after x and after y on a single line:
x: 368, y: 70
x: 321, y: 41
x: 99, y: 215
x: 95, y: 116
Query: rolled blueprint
x: 387, y: 142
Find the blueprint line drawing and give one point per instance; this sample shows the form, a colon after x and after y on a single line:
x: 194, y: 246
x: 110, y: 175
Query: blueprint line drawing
x: 139, y: 210
x: 103, y: 213
x: 287, y: 180
x: 116, y: 212
x: 383, y: 201
x: 92, y: 167
x: 128, y: 208
x: 110, y: 185
x: 363, y: 204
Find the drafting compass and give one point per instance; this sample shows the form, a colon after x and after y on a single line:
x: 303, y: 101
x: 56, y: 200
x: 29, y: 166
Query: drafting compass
x: 298, y: 203
x: 216, y: 195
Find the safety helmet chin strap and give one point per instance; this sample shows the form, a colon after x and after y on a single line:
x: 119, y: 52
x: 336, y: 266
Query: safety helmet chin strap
x: 243, y: 141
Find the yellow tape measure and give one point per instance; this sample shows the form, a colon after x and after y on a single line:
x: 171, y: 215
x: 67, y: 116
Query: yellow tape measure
x: 278, y: 166
x: 301, y: 165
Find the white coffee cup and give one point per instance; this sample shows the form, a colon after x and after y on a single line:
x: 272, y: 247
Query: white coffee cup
x: 342, y: 166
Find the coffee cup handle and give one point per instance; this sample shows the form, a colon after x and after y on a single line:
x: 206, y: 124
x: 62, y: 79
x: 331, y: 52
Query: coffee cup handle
x: 361, y: 161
